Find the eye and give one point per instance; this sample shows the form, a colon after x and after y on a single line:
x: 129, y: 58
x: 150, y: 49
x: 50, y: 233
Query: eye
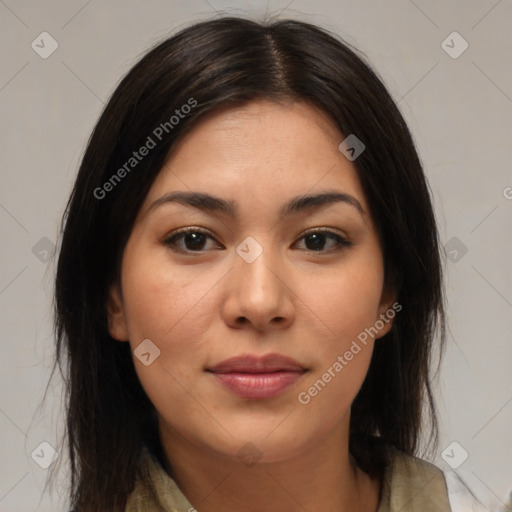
x: 194, y: 240
x: 316, y: 240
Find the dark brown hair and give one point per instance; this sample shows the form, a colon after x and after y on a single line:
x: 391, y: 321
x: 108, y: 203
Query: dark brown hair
x: 230, y: 61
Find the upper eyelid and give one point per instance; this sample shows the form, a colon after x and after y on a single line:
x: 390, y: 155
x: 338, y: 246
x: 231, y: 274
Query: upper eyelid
x: 192, y: 229
x: 184, y: 231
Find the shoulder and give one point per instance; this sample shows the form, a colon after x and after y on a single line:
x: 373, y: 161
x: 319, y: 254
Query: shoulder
x: 462, y: 497
x: 413, y: 484
x: 155, y: 490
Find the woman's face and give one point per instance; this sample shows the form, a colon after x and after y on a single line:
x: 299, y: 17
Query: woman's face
x: 262, y: 272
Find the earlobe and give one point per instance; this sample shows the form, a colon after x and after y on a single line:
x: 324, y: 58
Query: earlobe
x: 116, y: 319
x: 385, y: 321
x: 388, y: 309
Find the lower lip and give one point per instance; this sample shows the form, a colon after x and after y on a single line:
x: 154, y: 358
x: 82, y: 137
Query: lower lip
x: 258, y: 385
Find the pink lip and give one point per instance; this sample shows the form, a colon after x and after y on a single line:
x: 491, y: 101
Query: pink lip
x: 258, y: 377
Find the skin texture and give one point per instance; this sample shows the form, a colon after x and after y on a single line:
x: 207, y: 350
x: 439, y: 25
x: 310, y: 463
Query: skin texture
x: 202, y: 308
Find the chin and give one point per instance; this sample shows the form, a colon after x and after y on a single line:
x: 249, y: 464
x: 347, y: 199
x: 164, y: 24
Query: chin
x: 262, y: 446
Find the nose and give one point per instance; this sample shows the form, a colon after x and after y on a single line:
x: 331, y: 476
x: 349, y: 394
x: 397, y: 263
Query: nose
x: 258, y: 294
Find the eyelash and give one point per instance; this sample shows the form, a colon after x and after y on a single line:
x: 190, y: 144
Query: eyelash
x: 342, y: 243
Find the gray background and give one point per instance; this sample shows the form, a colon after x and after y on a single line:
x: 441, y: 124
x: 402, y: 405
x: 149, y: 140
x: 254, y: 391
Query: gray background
x: 459, y: 110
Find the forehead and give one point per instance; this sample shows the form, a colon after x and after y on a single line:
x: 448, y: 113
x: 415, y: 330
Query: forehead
x: 261, y: 127
x: 262, y: 150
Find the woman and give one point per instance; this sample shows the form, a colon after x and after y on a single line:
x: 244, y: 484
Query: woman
x: 249, y: 284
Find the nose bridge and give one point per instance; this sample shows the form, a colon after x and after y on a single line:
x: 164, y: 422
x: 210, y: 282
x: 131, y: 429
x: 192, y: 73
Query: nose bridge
x: 253, y: 266
x: 258, y: 295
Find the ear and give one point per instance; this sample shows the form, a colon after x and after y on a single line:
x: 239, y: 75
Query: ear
x: 388, y: 308
x: 116, y: 319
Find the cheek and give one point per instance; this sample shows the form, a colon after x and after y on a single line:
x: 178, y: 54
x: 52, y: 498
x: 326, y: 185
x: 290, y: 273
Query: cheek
x: 341, y: 359
x: 173, y: 309
x: 348, y: 301
x: 347, y: 305
x: 167, y: 309
x: 160, y: 301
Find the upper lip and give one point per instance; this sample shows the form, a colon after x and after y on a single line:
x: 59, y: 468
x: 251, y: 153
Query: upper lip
x: 257, y: 364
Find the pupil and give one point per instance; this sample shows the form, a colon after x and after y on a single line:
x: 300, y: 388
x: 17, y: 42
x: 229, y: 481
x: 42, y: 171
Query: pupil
x: 196, y: 241
x: 317, y: 241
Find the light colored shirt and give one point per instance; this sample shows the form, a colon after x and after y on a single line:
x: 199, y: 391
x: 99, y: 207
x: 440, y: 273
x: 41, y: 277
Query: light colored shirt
x: 409, y: 485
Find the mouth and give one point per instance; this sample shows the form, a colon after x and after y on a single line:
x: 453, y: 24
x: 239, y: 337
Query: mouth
x: 257, y: 377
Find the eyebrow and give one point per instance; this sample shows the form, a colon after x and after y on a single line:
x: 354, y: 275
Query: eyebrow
x: 303, y: 203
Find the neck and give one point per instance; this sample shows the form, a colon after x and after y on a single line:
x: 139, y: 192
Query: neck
x: 323, y: 477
